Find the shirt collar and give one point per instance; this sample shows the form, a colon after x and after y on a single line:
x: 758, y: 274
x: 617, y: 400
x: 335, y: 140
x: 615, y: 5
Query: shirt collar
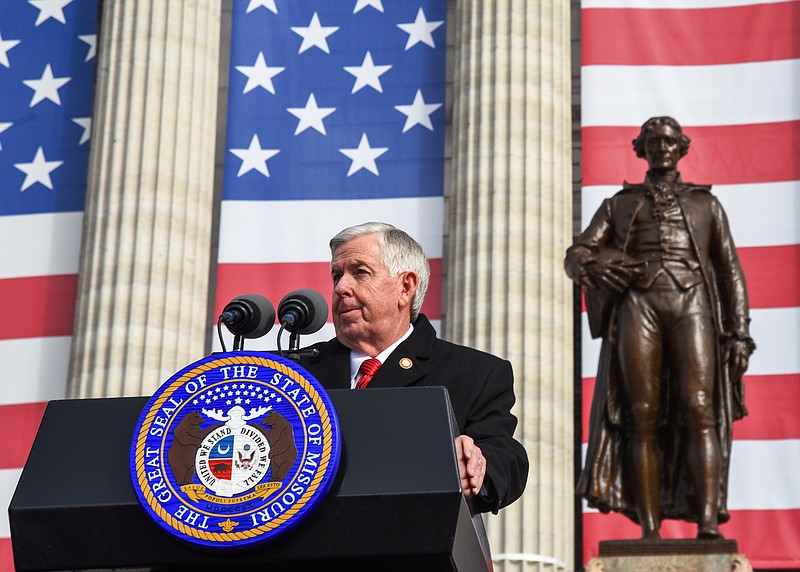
x: 356, y: 357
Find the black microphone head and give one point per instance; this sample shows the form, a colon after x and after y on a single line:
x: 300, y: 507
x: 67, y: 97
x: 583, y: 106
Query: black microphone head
x: 249, y: 315
x: 303, y: 311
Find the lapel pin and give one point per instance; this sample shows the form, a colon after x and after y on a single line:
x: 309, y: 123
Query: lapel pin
x: 406, y: 363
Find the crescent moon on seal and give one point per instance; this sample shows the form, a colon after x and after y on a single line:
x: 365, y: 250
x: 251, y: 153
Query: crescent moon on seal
x: 225, y: 450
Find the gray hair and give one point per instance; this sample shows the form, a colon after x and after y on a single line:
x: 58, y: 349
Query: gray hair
x: 401, y: 253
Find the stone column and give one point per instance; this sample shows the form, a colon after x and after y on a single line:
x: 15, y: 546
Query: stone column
x: 509, y: 205
x: 142, y: 304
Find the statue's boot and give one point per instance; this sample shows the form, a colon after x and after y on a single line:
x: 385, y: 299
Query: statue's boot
x: 708, y: 483
x: 649, y: 533
x: 645, y: 471
x: 709, y: 532
x: 708, y: 528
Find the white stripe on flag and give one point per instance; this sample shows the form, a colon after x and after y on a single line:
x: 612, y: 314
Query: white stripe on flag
x: 255, y: 231
x: 763, y: 475
x: 44, y: 376
x: 760, y: 214
x: 777, y: 334
x: 40, y: 244
x: 268, y: 342
x: 775, y: 330
x: 8, y: 482
x: 731, y: 94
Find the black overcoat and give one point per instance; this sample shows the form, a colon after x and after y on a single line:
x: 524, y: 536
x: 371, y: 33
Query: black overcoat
x: 481, y: 391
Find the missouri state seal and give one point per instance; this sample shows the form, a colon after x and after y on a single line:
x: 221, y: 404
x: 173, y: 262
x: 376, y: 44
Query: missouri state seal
x: 235, y: 449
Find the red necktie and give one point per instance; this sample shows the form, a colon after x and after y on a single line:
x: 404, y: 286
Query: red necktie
x: 368, y: 368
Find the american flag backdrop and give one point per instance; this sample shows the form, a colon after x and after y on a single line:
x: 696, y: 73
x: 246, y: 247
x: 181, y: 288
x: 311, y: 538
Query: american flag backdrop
x: 47, y: 58
x: 728, y: 71
x: 335, y: 117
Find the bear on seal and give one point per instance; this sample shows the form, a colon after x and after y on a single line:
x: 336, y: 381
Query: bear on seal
x: 187, y: 438
x: 283, y: 450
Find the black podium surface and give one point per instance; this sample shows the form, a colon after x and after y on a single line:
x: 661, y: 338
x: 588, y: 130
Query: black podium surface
x: 394, y: 505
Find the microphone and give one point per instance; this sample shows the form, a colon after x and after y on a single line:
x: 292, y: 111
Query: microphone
x: 250, y: 316
x: 303, y: 311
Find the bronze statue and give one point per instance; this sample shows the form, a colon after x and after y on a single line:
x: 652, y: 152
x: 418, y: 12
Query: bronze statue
x: 665, y: 290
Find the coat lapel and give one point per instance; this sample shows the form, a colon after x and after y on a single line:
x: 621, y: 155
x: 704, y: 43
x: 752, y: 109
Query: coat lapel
x: 407, y: 364
x: 399, y: 370
x: 332, y: 367
x: 626, y: 209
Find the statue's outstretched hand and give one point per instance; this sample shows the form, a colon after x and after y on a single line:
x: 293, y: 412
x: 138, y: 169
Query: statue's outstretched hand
x: 613, y: 270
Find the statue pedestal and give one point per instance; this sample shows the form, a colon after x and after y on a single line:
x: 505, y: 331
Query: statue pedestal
x: 688, y: 555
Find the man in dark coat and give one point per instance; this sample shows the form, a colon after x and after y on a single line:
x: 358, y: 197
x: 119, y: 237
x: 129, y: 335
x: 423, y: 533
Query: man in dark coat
x: 380, y: 276
x: 664, y: 288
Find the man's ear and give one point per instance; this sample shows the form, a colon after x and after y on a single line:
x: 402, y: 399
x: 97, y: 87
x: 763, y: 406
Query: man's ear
x: 408, y: 287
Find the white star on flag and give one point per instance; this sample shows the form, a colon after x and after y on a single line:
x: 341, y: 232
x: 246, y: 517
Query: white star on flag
x: 254, y: 157
x: 361, y: 4
x: 363, y: 157
x: 259, y: 74
x: 315, y: 34
x: 86, y: 123
x: 3, y: 127
x: 5, y: 46
x: 46, y: 87
x: 418, y: 113
x: 90, y: 39
x: 50, y: 9
x: 268, y: 4
x: 367, y: 74
x: 311, y: 115
x: 420, y: 30
x: 38, y: 170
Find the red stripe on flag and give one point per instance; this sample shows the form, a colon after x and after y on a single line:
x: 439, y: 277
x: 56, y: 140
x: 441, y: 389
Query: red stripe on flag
x: 587, y: 391
x: 624, y: 36
x: 769, y: 271
x: 18, y: 425
x: 271, y: 280
x: 772, y: 400
x: 38, y: 306
x: 758, y: 532
x: 754, y: 153
x: 276, y: 280
x: 6, y: 555
x: 772, y: 274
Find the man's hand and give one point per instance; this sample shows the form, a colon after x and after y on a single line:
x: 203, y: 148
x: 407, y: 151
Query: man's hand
x: 471, y: 465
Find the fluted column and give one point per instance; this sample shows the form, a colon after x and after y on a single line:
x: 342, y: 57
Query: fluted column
x: 141, y: 312
x: 509, y: 204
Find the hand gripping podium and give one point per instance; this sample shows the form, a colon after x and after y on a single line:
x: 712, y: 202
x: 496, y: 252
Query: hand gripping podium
x: 394, y: 505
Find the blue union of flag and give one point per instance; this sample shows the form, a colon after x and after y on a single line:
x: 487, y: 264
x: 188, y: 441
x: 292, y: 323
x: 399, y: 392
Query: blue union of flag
x: 336, y: 100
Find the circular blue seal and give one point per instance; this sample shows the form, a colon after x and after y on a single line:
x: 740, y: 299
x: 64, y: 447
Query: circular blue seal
x: 235, y: 449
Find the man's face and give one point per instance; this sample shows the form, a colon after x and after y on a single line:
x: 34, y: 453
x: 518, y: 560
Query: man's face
x: 370, y: 309
x: 662, y: 148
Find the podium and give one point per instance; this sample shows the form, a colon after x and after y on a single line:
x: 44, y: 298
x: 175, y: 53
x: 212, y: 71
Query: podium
x: 394, y: 505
